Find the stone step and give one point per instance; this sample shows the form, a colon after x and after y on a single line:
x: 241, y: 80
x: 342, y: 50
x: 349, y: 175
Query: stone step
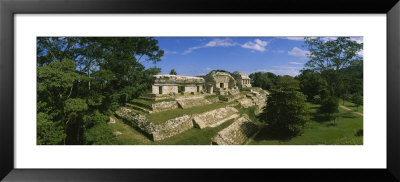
x: 192, y: 102
x: 147, y: 106
x: 138, y: 108
x: 215, y: 117
x: 237, y: 133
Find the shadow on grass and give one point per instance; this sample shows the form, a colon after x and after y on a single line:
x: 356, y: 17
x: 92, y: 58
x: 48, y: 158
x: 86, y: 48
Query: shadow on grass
x: 273, y: 133
x: 320, y: 117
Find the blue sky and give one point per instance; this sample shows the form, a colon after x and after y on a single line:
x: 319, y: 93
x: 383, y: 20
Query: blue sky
x: 195, y: 56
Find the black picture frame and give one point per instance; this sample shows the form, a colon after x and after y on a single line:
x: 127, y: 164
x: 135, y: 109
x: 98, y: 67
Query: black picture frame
x: 9, y: 8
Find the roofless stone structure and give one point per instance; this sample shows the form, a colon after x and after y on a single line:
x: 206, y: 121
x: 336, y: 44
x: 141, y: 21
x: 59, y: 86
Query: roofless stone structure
x: 221, y: 83
x: 166, y: 84
x: 242, y: 80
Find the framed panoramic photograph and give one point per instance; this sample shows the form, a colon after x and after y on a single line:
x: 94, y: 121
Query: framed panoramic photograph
x: 145, y: 91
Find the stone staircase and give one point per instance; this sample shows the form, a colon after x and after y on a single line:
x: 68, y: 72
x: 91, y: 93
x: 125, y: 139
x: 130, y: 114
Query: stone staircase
x: 139, y: 108
x: 215, y: 117
x: 237, y: 133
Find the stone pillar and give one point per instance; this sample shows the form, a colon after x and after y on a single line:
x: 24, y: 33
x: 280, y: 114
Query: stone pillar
x: 211, y: 90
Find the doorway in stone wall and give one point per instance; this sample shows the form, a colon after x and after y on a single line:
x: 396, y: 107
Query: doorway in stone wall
x: 181, y: 89
x: 198, y: 88
x: 160, y: 90
x: 221, y: 85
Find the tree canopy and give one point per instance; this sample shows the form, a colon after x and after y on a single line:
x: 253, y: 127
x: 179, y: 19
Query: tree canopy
x: 82, y: 80
x: 330, y: 58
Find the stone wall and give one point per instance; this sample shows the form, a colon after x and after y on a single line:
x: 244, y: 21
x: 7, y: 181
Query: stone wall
x: 164, y: 106
x: 214, y: 79
x: 215, y: 117
x: 172, y: 127
x: 237, y: 133
x: 185, y: 103
x: 156, y: 132
x: 166, y: 89
x: 190, y: 89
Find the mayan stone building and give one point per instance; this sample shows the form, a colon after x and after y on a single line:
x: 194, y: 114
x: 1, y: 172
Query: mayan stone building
x: 219, y: 82
x: 242, y: 80
x: 166, y: 84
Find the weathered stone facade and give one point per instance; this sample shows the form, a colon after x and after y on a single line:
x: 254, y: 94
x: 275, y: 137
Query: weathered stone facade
x: 185, y: 103
x: 156, y: 131
x: 242, y: 80
x: 220, y: 82
x: 237, y: 133
x: 166, y: 84
x: 164, y: 106
x: 215, y: 117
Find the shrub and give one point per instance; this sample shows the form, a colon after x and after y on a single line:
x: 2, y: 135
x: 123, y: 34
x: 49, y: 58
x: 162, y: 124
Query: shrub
x: 330, y: 106
x: 286, y: 111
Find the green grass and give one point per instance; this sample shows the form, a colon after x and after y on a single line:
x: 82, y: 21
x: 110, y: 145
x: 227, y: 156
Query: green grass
x: 316, y: 131
x: 210, y: 96
x: 150, y: 102
x: 319, y: 131
x: 194, y: 136
x: 249, y: 112
x: 351, y: 106
x: 129, y: 136
x: 161, y: 117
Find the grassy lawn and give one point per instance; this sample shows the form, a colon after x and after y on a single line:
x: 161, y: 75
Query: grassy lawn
x: 351, y: 106
x: 318, y: 131
x: 129, y: 136
x: 161, y: 117
x: 194, y: 136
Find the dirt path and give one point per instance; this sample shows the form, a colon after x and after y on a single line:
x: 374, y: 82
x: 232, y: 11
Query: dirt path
x: 348, y: 109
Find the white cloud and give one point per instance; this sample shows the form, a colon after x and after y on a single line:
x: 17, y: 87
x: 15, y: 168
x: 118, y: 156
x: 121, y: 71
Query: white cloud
x: 221, y: 43
x: 361, y: 53
x: 170, y: 52
x: 328, y: 38
x: 213, y: 43
x: 297, y: 52
x: 294, y: 38
x: 208, y: 69
x: 257, y: 45
x: 187, y: 51
x: 295, y: 63
x: 357, y: 39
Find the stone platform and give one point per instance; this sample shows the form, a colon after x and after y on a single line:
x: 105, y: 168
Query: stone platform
x: 215, y: 117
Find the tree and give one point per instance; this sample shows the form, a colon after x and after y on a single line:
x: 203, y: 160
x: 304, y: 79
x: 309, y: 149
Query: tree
x: 173, y: 72
x: 329, y: 107
x: 264, y: 80
x: 311, y: 84
x: 329, y: 57
x: 286, y: 111
x: 357, y: 100
x: 287, y: 83
x: 82, y: 80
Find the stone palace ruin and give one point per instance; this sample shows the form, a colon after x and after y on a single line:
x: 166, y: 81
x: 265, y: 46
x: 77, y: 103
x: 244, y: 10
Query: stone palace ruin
x: 176, y: 94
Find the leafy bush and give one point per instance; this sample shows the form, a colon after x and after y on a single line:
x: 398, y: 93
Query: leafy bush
x: 329, y: 107
x: 359, y: 132
x: 100, y: 134
x: 286, y: 111
x: 357, y: 100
